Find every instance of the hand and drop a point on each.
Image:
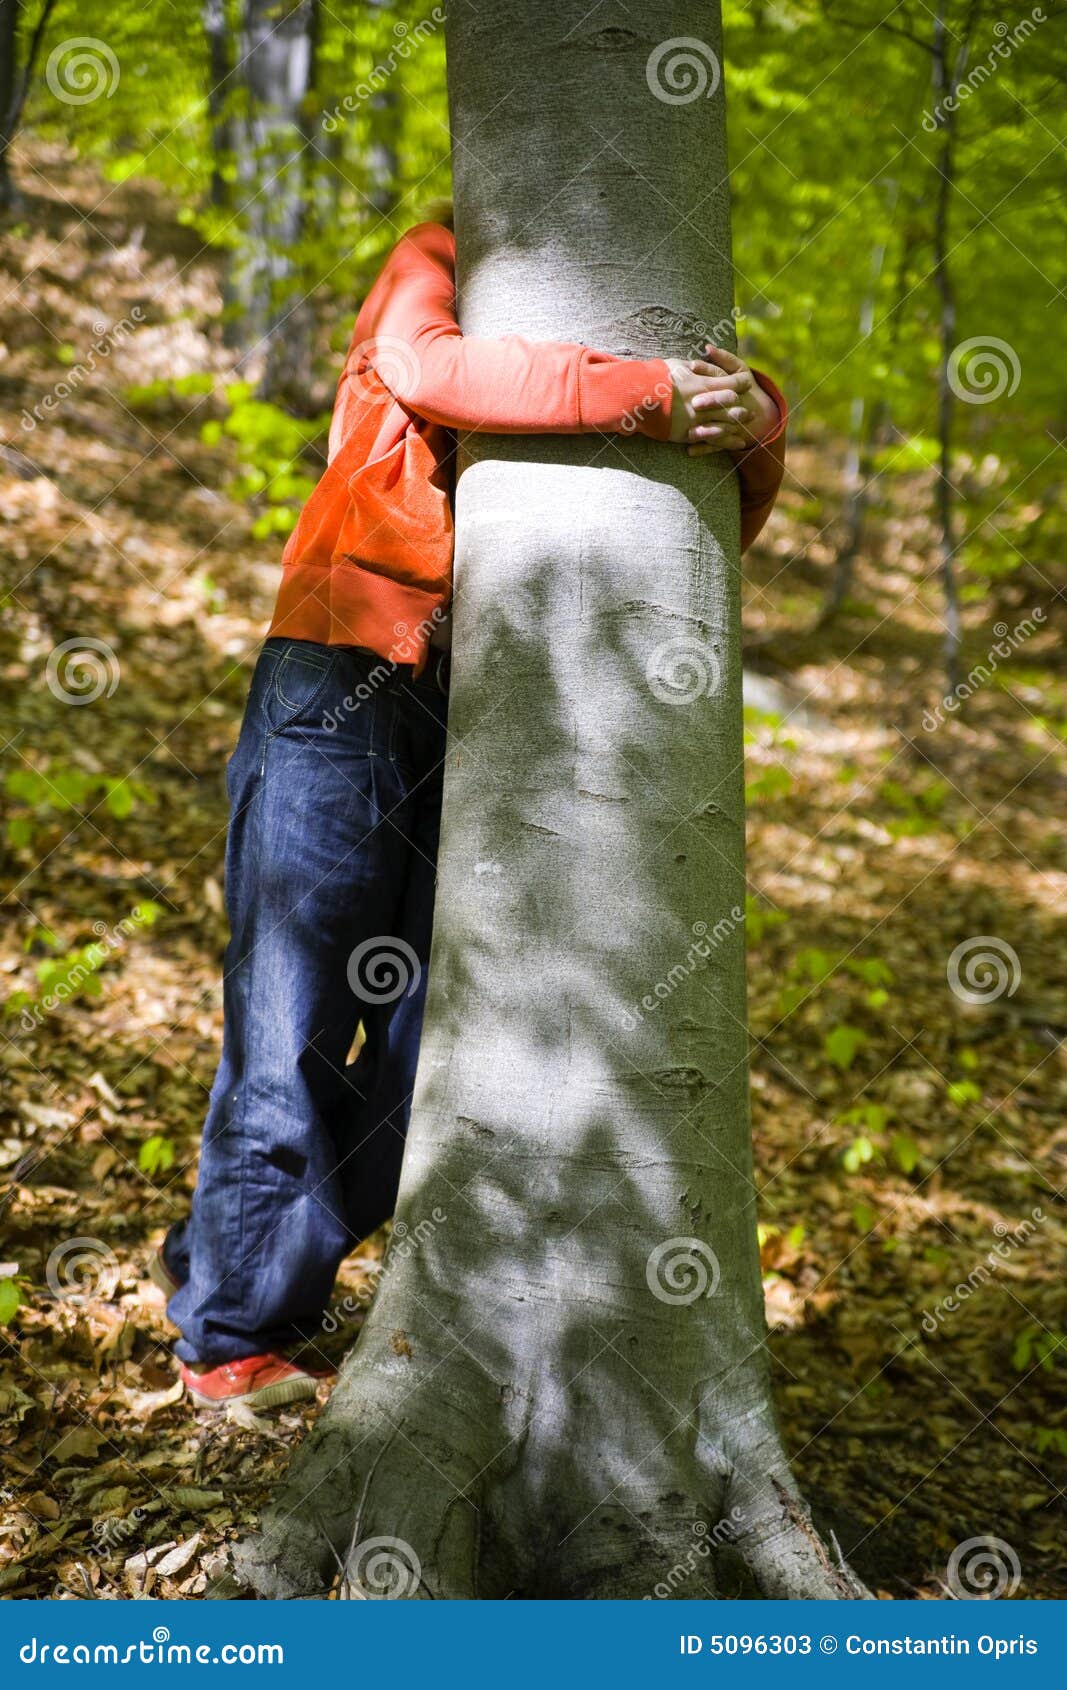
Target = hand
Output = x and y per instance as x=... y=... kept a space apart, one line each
x=733 y=412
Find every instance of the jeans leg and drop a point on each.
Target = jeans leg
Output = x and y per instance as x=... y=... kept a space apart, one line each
x=371 y=1122
x=317 y=863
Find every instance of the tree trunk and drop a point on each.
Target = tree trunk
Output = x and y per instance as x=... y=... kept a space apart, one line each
x=946 y=541
x=220 y=95
x=14 y=85
x=276 y=56
x=562 y=1386
x=866 y=424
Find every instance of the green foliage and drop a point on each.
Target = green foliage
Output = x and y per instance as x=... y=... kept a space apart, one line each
x=39 y=796
x=842 y=1045
x=760 y=920
x=271 y=448
x=155 y=1156
x=11 y=1300
x=773 y=783
x=1036 y=1347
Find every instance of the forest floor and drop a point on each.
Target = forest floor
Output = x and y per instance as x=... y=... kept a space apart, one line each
x=910 y=1144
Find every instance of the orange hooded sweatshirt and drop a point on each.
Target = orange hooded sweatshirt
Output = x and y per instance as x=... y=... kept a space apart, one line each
x=369 y=562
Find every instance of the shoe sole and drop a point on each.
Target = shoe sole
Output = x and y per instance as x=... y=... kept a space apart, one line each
x=161 y=1276
x=283 y=1391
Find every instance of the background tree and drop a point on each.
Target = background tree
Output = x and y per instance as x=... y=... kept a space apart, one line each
x=565 y=1384
x=18 y=60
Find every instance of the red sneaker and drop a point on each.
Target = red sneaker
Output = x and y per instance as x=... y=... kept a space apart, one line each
x=265 y=1381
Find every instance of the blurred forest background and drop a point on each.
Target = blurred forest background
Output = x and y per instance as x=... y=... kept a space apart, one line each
x=195 y=199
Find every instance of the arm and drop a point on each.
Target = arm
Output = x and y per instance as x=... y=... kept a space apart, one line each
x=407 y=332
x=760 y=468
x=745 y=416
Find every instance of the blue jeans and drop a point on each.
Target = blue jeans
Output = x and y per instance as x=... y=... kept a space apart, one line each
x=335 y=798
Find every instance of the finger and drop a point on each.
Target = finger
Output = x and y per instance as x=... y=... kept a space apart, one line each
x=712 y=372
x=717 y=398
x=728 y=361
x=703 y=448
x=706 y=433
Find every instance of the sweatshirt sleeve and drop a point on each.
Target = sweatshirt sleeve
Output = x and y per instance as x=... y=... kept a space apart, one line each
x=408 y=333
x=761 y=468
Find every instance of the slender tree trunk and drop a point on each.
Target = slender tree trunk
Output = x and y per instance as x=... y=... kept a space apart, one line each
x=14 y=85
x=947 y=332
x=220 y=95
x=562 y=1387
x=276 y=54
x=866 y=422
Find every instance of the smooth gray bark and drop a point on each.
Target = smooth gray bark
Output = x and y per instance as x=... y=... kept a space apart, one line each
x=274 y=152
x=562 y=1387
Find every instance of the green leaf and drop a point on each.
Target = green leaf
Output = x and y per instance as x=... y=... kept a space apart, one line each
x=964 y=1091
x=843 y=1044
x=11 y=1299
x=905 y=1152
x=155 y=1156
x=859 y=1152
